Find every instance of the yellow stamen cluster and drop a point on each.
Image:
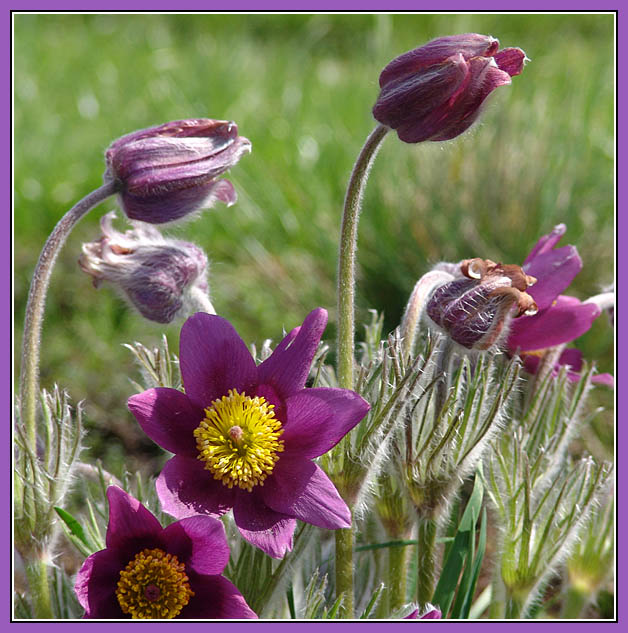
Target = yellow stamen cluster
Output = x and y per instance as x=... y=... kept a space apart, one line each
x=153 y=585
x=238 y=440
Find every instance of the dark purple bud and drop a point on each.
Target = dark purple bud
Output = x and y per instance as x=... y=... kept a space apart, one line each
x=169 y=171
x=157 y=275
x=435 y=92
x=475 y=309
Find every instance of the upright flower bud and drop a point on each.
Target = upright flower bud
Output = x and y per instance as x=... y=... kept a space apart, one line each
x=169 y=171
x=159 y=276
x=475 y=308
x=434 y=92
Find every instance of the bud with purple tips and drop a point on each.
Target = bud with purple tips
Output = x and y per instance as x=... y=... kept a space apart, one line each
x=169 y=171
x=158 y=275
x=435 y=92
x=475 y=308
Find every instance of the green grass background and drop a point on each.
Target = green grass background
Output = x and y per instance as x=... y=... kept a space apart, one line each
x=301 y=88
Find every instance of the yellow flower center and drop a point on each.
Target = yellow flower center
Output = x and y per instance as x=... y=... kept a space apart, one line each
x=153 y=585
x=239 y=440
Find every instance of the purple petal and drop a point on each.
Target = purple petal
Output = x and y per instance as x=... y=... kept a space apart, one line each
x=287 y=368
x=200 y=543
x=269 y=530
x=485 y=76
x=555 y=270
x=224 y=191
x=511 y=60
x=571 y=357
x=215 y=598
x=317 y=419
x=299 y=488
x=214 y=359
x=546 y=243
x=604 y=379
x=185 y=488
x=96 y=584
x=563 y=322
x=129 y=520
x=158 y=209
x=169 y=418
x=410 y=101
x=437 y=51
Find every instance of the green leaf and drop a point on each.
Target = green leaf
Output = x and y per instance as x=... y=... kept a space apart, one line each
x=461 y=551
x=372 y=601
x=73 y=525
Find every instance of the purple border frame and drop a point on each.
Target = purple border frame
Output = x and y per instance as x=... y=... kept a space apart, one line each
x=366 y=6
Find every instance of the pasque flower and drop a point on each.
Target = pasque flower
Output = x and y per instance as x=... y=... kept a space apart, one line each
x=475 y=308
x=169 y=171
x=150 y=572
x=560 y=318
x=435 y=92
x=157 y=275
x=244 y=435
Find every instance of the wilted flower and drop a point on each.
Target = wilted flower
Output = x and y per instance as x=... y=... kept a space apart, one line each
x=560 y=318
x=150 y=572
x=244 y=436
x=168 y=171
x=475 y=308
x=158 y=275
x=434 y=92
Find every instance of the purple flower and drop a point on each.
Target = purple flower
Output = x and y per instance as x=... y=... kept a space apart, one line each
x=434 y=92
x=560 y=318
x=157 y=275
x=169 y=171
x=429 y=613
x=244 y=436
x=151 y=572
x=475 y=308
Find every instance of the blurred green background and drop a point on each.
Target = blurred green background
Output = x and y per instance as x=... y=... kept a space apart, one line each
x=301 y=88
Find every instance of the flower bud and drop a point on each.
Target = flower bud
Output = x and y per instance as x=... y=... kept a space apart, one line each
x=169 y=171
x=158 y=275
x=434 y=92
x=475 y=308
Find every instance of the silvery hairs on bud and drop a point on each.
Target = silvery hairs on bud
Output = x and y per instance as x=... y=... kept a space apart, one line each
x=161 y=277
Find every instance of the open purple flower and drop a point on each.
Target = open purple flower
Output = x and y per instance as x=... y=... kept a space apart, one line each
x=244 y=436
x=169 y=171
x=560 y=318
x=150 y=572
x=435 y=92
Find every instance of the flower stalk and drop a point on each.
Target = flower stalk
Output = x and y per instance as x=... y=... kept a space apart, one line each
x=29 y=377
x=346 y=255
x=426 y=565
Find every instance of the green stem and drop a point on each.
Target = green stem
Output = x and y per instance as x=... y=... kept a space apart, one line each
x=397 y=576
x=574 y=603
x=37 y=575
x=344 y=570
x=514 y=607
x=346 y=256
x=426 y=565
x=29 y=378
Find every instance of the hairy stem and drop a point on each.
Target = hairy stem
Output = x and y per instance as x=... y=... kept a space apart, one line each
x=29 y=377
x=37 y=575
x=344 y=570
x=426 y=565
x=346 y=256
x=397 y=576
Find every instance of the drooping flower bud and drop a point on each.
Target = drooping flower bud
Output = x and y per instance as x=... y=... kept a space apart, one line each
x=169 y=171
x=435 y=92
x=159 y=276
x=475 y=308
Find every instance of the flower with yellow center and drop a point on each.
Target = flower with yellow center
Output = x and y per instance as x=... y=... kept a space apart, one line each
x=148 y=571
x=153 y=585
x=238 y=440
